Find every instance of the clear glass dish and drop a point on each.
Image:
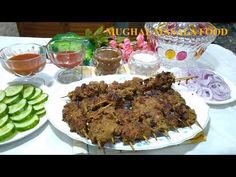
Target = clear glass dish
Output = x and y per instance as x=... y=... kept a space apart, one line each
x=24 y=60
x=143 y=63
x=67 y=54
x=107 y=60
x=179 y=44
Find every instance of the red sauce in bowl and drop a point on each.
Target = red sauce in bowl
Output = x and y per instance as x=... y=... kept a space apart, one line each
x=68 y=59
x=26 y=64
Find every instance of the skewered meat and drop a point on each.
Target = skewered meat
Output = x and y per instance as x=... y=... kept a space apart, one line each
x=74 y=117
x=123 y=116
x=162 y=81
x=131 y=111
x=102 y=130
x=92 y=89
x=134 y=131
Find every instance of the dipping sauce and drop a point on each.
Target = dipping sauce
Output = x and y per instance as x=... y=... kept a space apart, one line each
x=68 y=59
x=143 y=63
x=26 y=64
x=107 y=60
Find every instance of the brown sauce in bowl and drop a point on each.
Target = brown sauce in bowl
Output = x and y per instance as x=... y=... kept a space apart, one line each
x=107 y=60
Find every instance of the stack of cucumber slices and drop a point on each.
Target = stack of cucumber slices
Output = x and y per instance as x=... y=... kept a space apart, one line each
x=21 y=107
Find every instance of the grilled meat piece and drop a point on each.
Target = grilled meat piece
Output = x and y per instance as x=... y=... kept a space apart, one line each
x=74 y=117
x=135 y=131
x=102 y=130
x=92 y=89
x=123 y=116
x=162 y=81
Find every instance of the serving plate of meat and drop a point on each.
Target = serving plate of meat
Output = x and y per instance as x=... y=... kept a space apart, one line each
x=126 y=112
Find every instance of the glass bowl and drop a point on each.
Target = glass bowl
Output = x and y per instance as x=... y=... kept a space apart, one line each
x=67 y=54
x=179 y=44
x=144 y=63
x=107 y=60
x=23 y=60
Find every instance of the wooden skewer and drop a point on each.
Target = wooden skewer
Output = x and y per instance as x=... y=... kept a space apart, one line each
x=154 y=135
x=99 y=145
x=100 y=103
x=146 y=138
x=185 y=123
x=189 y=125
x=176 y=129
x=86 y=135
x=166 y=135
x=112 y=140
x=132 y=146
x=105 y=106
x=179 y=79
x=163 y=134
x=67 y=95
x=185 y=78
x=199 y=124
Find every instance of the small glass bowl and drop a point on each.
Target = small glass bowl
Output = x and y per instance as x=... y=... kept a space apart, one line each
x=24 y=60
x=67 y=54
x=143 y=63
x=179 y=44
x=107 y=60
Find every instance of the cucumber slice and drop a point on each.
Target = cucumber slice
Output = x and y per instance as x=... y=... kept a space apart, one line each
x=13 y=90
x=41 y=113
x=38 y=107
x=42 y=98
x=3 y=121
x=12 y=100
x=2 y=95
x=24 y=115
x=28 y=92
x=37 y=93
x=18 y=107
x=3 y=109
x=29 y=124
x=7 y=131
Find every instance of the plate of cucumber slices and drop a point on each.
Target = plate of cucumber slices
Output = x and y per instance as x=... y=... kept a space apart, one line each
x=22 y=111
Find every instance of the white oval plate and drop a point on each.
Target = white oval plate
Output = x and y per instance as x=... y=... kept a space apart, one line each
x=215 y=102
x=42 y=121
x=233 y=93
x=195 y=102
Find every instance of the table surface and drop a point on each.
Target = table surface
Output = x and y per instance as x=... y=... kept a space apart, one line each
x=221 y=130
